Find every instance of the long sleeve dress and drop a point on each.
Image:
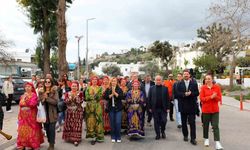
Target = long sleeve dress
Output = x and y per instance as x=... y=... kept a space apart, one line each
x=135 y=101
x=94 y=121
x=29 y=130
x=105 y=115
x=72 y=130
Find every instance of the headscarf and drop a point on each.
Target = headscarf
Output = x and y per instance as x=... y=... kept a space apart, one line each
x=93 y=78
x=33 y=90
x=136 y=83
x=75 y=82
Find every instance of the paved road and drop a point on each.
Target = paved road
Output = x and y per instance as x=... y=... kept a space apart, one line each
x=235 y=135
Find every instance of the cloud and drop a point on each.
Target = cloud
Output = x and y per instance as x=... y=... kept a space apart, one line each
x=118 y=25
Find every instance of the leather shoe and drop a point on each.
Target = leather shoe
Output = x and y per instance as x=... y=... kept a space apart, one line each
x=179 y=126
x=163 y=135
x=171 y=119
x=193 y=141
x=185 y=138
x=157 y=137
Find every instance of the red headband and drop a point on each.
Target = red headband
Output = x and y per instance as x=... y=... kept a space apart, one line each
x=136 y=83
x=75 y=82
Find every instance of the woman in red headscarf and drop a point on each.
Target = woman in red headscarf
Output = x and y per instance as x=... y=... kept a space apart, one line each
x=94 y=121
x=72 y=131
x=136 y=102
x=103 y=102
x=29 y=130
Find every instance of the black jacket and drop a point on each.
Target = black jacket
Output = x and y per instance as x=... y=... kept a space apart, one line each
x=152 y=98
x=187 y=104
x=117 y=100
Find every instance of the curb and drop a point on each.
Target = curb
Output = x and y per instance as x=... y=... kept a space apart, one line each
x=244 y=109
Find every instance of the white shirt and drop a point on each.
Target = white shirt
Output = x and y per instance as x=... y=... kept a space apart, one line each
x=147 y=87
x=8 y=88
x=186 y=84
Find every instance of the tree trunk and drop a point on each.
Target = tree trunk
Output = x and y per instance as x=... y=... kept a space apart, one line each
x=62 y=38
x=46 y=44
x=232 y=69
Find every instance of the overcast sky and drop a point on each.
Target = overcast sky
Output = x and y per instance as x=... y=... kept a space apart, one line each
x=119 y=24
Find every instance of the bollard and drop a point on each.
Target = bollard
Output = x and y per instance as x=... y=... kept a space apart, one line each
x=241 y=102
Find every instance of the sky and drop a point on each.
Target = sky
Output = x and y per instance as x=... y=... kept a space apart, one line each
x=119 y=24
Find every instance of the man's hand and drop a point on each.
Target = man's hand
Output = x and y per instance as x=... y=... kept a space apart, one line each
x=168 y=110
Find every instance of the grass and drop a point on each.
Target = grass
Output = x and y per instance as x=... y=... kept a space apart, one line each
x=245 y=97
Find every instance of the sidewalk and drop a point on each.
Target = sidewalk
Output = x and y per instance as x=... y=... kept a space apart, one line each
x=230 y=101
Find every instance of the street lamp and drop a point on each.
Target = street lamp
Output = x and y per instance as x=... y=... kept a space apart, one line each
x=87 y=49
x=78 y=66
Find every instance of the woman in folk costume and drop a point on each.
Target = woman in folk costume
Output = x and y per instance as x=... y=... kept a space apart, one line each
x=72 y=130
x=29 y=130
x=94 y=121
x=103 y=102
x=136 y=102
x=124 y=88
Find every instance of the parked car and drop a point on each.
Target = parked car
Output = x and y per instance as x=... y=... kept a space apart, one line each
x=18 y=89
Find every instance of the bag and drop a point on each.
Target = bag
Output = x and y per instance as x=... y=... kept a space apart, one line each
x=61 y=106
x=41 y=115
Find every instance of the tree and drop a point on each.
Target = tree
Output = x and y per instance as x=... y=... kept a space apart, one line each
x=216 y=40
x=163 y=50
x=235 y=14
x=62 y=37
x=54 y=64
x=150 y=68
x=186 y=62
x=112 y=70
x=206 y=63
x=43 y=20
x=243 y=62
x=4 y=44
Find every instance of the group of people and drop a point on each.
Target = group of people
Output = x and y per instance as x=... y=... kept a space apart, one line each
x=109 y=105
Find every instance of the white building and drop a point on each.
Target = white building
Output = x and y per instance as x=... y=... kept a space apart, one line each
x=126 y=69
x=185 y=53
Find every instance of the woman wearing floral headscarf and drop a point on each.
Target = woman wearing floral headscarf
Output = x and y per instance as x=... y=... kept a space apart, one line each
x=136 y=102
x=94 y=121
x=124 y=88
x=103 y=102
x=29 y=130
x=72 y=131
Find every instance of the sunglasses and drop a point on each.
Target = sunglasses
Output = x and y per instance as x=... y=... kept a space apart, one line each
x=47 y=82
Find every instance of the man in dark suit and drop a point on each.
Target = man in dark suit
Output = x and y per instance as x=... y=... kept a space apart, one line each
x=147 y=83
x=187 y=92
x=159 y=106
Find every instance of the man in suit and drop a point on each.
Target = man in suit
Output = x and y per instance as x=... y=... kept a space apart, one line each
x=147 y=83
x=187 y=92
x=159 y=106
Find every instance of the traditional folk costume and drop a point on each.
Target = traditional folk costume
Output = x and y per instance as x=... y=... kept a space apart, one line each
x=136 y=102
x=124 y=107
x=94 y=121
x=74 y=116
x=29 y=130
x=103 y=102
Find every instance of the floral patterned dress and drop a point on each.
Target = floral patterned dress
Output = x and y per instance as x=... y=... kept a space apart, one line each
x=94 y=121
x=29 y=130
x=105 y=116
x=124 y=108
x=72 y=130
x=135 y=101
